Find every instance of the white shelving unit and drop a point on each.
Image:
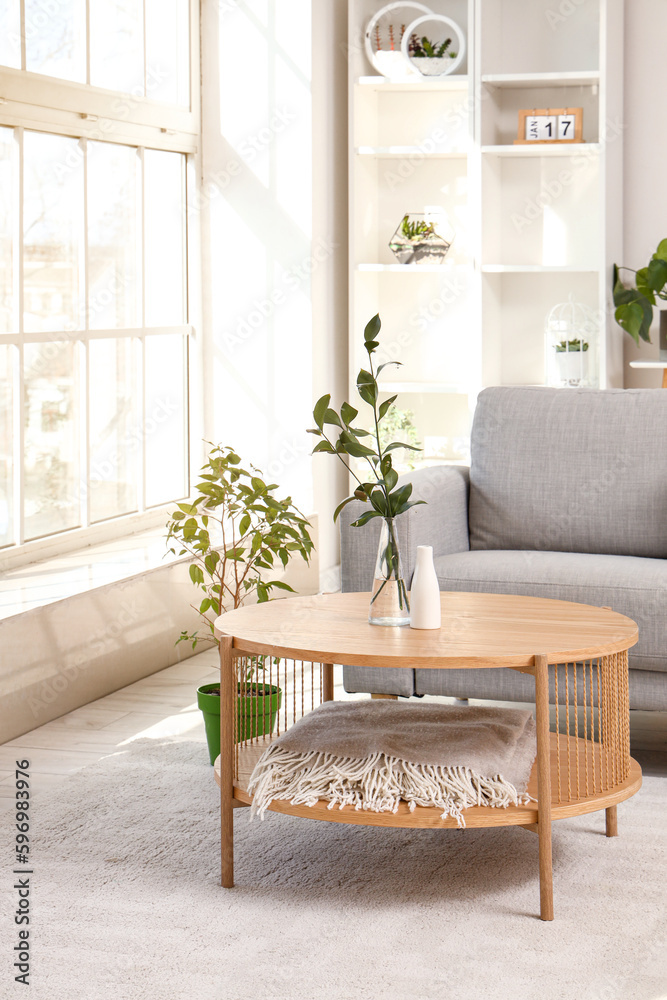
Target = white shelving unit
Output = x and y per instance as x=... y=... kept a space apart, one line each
x=534 y=223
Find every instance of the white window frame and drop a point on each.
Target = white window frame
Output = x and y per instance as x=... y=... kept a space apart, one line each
x=35 y=102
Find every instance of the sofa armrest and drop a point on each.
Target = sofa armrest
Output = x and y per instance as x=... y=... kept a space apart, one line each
x=441 y=522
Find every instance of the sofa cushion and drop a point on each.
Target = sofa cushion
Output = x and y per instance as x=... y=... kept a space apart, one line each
x=633 y=586
x=570 y=470
x=648 y=688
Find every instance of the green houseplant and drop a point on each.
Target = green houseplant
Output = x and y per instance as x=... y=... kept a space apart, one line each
x=421 y=238
x=339 y=436
x=425 y=48
x=237 y=532
x=634 y=302
x=571 y=361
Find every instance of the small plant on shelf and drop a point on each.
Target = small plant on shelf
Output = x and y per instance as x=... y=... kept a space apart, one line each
x=421 y=239
x=417 y=230
x=571 y=345
x=426 y=49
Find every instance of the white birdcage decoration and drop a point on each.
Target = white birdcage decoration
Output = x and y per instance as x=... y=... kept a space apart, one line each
x=571 y=332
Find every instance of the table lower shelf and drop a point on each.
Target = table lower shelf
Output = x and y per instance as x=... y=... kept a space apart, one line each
x=478 y=816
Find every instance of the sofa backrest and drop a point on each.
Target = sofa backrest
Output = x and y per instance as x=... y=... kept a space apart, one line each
x=570 y=470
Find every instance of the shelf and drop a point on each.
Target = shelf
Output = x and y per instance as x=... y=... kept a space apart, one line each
x=400 y=152
x=513 y=81
x=413 y=268
x=453 y=82
x=538 y=269
x=544 y=149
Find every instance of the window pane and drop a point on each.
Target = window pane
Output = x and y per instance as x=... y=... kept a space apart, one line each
x=164 y=237
x=167 y=55
x=6 y=445
x=51 y=451
x=117 y=45
x=10 y=33
x=55 y=38
x=52 y=219
x=113 y=257
x=8 y=196
x=166 y=421
x=114 y=438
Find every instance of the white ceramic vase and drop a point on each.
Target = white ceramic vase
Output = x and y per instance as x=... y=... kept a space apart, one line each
x=425 y=591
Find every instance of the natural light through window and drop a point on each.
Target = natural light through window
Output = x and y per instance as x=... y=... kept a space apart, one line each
x=94 y=306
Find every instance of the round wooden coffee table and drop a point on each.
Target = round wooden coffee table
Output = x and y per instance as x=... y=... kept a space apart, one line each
x=578 y=650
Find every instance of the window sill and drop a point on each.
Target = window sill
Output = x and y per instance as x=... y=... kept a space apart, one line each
x=67 y=575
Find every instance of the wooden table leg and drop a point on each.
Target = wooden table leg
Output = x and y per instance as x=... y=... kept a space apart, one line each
x=611 y=821
x=544 y=787
x=227 y=709
x=327 y=682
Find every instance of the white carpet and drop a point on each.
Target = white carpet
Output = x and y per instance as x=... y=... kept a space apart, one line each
x=127 y=905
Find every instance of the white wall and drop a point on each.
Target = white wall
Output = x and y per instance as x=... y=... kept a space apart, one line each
x=258 y=253
x=275 y=299
x=645 y=156
x=330 y=223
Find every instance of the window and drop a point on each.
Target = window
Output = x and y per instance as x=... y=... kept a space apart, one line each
x=95 y=310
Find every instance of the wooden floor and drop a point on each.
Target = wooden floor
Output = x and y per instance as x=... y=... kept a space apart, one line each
x=165 y=705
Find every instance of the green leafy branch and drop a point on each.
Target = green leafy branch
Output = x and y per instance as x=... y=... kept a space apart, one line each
x=380 y=490
x=236 y=530
x=634 y=305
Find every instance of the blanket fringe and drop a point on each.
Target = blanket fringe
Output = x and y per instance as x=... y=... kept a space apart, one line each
x=376 y=783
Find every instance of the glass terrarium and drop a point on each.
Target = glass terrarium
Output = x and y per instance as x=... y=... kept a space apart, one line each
x=422 y=237
x=571 y=344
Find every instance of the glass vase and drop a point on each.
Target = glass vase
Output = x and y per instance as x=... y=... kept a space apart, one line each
x=389 y=597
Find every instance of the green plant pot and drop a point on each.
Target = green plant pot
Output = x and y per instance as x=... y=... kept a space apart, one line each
x=255 y=716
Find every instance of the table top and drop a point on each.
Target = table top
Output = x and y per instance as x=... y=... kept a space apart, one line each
x=478 y=630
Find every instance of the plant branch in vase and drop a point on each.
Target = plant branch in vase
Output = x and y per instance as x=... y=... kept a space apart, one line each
x=389 y=603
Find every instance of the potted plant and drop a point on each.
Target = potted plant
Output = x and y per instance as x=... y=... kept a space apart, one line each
x=419 y=239
x=237 y=531
x=634 y=303
x=571 y=361
x=429 y=57
x=389 y=598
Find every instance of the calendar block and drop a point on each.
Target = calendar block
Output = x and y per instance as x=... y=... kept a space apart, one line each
x=550 y=125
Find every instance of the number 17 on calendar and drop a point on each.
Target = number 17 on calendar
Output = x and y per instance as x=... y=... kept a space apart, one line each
x=550 y=125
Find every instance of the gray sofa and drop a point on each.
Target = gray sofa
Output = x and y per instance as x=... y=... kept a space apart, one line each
x=566 y=497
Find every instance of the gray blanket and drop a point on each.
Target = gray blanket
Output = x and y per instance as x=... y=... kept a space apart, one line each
x=371 y=754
